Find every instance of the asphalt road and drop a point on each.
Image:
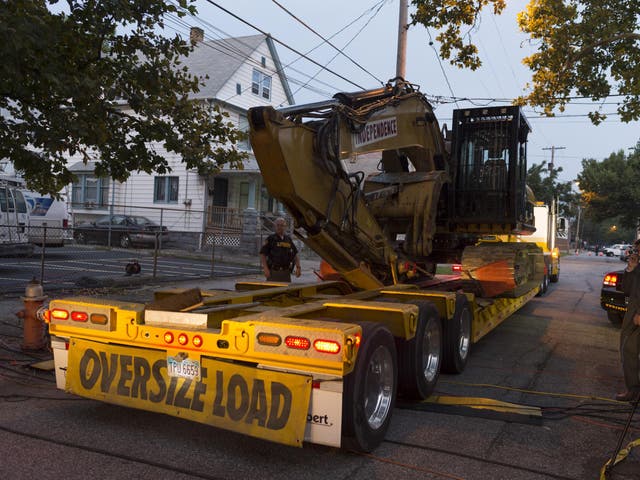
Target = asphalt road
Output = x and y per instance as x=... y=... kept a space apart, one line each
x=559 y=353
x=70 y=266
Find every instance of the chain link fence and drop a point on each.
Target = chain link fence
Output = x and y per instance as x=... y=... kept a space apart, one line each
x=135 y=246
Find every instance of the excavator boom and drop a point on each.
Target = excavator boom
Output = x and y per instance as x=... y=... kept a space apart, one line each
x=395 y=224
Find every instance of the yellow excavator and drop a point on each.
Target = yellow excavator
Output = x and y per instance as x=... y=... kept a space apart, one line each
x=433 y=194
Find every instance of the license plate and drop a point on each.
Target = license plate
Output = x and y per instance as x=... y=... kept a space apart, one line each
x=183 y=367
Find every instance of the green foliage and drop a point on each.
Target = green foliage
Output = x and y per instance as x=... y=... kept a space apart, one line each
x=63 y=79
x=546 y=187
x=611 y=189
x=587 y=48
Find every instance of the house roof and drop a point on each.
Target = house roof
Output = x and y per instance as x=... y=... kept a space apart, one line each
x=220 y=59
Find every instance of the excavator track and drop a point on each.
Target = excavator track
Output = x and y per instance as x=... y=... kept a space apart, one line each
x=504 y=269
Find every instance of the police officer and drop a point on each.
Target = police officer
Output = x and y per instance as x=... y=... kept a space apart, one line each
x=279 y=254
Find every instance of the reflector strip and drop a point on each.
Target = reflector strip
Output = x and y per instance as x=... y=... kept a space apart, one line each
x=326 y=346
x=299 y=343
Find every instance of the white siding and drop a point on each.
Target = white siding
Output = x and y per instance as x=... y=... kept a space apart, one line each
x=243 y=76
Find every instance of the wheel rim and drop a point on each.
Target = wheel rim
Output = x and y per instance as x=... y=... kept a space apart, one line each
x=80 y=238
x=465 y=334
x=124 y=241
x=378 y=387
x=431 y=344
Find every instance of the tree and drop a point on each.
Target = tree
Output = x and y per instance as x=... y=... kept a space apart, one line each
x=587 y=48
x=546 y=187
x=611 y=188
x=63 y=79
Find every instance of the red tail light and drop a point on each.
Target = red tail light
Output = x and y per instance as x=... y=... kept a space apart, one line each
x=79 y=316
x=65 y=223
x=610 y=279
x=456 y=267
x=299 y=343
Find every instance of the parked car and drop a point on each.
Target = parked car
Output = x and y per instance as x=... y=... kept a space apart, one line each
x=624 y=256
x=616 y=250
x=612 y=298
x=121 y=230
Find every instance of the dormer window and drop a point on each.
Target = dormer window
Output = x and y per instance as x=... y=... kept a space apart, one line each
x=261 y=84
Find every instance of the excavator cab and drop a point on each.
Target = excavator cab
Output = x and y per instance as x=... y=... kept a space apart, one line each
x=489 y=155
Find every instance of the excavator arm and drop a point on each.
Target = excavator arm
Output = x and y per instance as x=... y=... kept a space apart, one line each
x=393 y=225
x=338 y=213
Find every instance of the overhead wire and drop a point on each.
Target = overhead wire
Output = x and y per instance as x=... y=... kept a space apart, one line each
x=379 y=5
x=339 y=50
x=277 y=40
x=444 y=74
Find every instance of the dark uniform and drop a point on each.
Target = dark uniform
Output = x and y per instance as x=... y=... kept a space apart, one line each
x=630 y=332
x=280 y=253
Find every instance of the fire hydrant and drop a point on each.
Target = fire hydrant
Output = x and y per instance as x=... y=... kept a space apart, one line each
x=33 y=327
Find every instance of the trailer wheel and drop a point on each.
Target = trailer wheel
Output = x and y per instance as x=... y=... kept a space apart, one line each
x=370 y=390
x=457 y=337
x=544 y=286
x=615 y=317
x=554 y=278
x=419 y=358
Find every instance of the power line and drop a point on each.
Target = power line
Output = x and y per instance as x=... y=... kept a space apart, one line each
x=283 y=44
x=379 y=5
x=340 y=51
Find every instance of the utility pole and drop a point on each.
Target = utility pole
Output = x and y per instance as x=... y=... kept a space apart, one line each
x=553 y=149
x=402 y=39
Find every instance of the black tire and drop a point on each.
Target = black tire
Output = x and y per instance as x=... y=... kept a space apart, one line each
x=457 y=337
x=370 y=390
x=615 y=317
x=420 y=358
x=544 y=286
x=125 y=241
x=554 y=278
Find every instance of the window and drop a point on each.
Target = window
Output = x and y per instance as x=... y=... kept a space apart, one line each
x=243 y=201
x=243 y=126
x=166 y=190
x=261 y=84
x=90 y=191
x=238 y=89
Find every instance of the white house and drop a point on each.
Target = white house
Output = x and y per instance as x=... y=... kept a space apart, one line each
x=242 y=72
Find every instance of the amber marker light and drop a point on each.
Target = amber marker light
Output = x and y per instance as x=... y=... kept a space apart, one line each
x=197 y=341
x=59 y=314
x=326 y=346
x=183 y=339
x=269 y=339
x=298 y=343
x=168 y=337
x=98 y=318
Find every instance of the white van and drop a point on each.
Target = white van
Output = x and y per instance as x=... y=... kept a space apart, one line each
x=45 y=211
x=14 y=220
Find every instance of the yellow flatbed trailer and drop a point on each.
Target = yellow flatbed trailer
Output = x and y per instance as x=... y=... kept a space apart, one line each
x=286 y=363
